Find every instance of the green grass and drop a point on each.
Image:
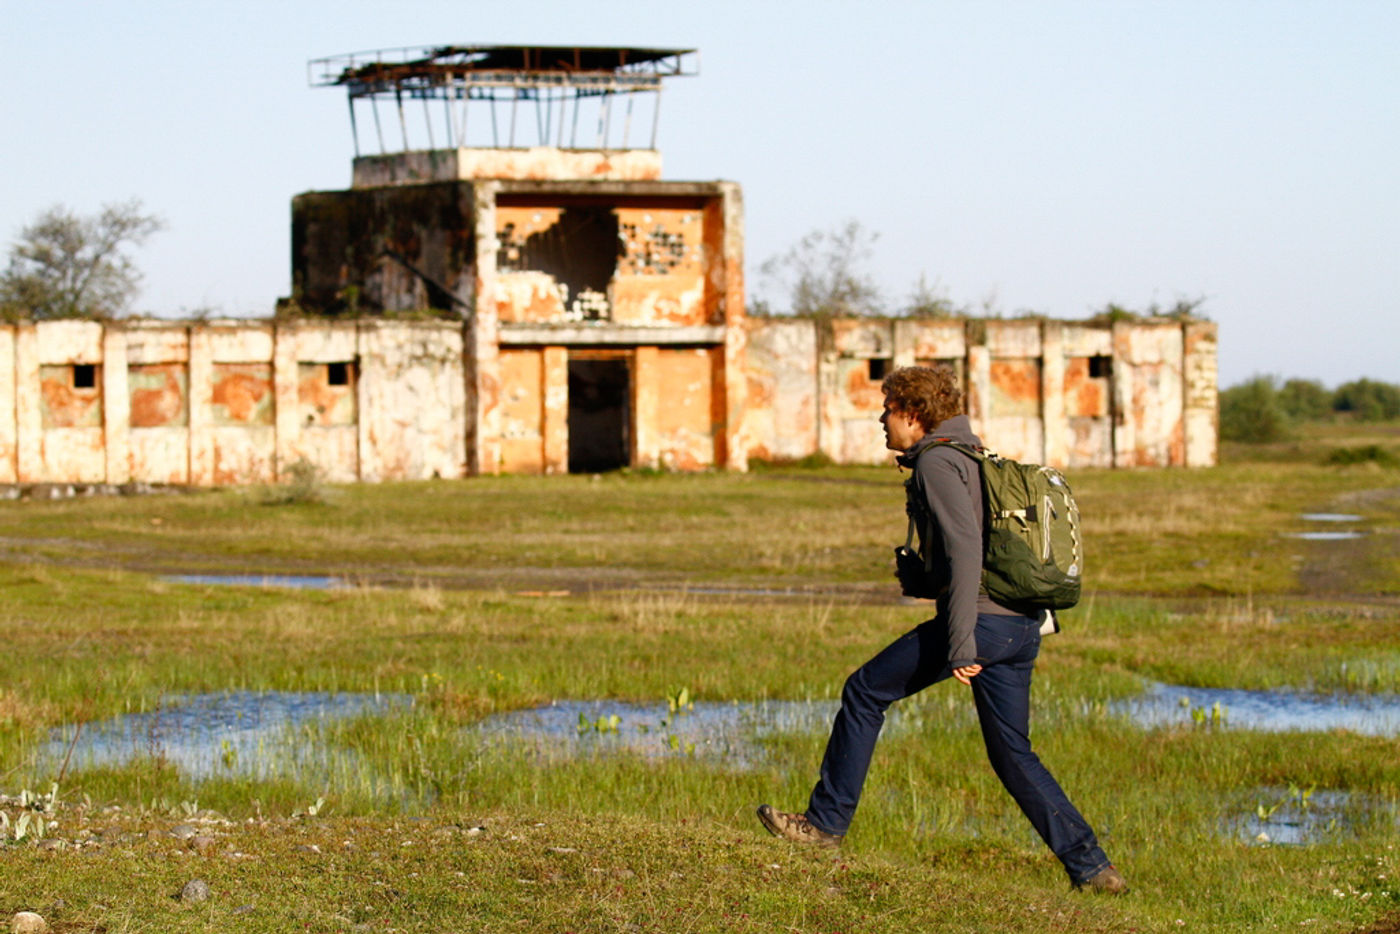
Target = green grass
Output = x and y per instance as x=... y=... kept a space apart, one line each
x=1195 y=582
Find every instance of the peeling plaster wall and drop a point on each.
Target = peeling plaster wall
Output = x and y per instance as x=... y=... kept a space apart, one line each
x=683 y=433
x=780 y=417
x=522 y=410
x=1138 y=393
x=229 y=402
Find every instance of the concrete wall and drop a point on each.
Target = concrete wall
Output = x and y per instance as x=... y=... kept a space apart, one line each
x=237 y=402
x=1130 y=394
x=536 y=163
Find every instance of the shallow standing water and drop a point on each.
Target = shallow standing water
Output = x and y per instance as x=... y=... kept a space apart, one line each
x=293 y=581
x=245 y=733
x=1272 y=711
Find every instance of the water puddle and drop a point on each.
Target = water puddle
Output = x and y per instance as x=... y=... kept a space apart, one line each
x=727 y=733
x=1297 y=817
x=245 y=733
x=294 y=581
x=1328 y=535
x=1270 y=711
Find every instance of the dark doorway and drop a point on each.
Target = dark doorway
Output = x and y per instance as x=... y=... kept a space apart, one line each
x=600 y=414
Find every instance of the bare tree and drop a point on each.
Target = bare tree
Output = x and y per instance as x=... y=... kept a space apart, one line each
x=68 y=266
x=824 y=273
x=930 y=301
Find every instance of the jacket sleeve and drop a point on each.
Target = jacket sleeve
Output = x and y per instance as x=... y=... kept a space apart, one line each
x=946 y=484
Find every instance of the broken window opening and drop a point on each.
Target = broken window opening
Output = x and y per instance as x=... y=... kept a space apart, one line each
x=580 y=252
x=1100 y=367
x=879 y=368
x=337 y=374
x=84 y=376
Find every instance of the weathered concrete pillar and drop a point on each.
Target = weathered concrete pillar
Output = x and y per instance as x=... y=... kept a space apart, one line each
x=646 y=393
x=366 y=459
x=1052 y=394
x=1201 y=419
x=116 y=405
x=29 y=417
x=286 y=410
x=830 y=436
x=732 y=387
x=554 y=397
x=979 y=376
x=481 y=341
x=904 y=341
x=201 y=407
x=9 y=470
x=1124 y=421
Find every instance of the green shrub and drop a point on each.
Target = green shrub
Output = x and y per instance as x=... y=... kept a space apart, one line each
x=1305 y=400
x=1364 y=454
x=1251 y=412
x=1368 y=400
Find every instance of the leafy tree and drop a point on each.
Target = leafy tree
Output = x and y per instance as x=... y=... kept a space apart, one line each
x=1305 y=400
x=825 y=273
x=1368 y=400
x=1251 y=412
x=67 y=266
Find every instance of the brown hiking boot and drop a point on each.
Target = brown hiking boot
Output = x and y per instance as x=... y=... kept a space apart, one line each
x=795 y=828
x=1108 y=881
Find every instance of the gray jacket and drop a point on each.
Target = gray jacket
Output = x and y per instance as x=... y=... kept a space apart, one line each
x=950 y=483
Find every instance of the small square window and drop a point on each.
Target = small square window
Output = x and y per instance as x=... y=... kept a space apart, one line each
x=879 y=367
x=337 y=374
x=1100 y=367
x=84 y=376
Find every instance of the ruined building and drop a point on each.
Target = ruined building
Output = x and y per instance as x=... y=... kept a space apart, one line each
x=509 y=285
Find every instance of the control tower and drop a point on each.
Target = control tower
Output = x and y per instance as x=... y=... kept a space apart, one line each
x=518 y=189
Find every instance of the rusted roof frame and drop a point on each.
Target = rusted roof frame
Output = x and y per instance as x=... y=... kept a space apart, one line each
x=544 y=75
x=442 y=68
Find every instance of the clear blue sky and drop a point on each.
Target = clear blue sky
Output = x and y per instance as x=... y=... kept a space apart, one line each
x=1045 y=156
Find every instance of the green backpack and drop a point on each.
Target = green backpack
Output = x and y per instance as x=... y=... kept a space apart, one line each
x=1034 y=558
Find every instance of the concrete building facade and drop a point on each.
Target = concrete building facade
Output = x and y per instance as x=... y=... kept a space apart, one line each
x=549 y=308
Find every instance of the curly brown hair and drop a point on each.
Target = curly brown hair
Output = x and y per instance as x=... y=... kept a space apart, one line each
x=929 y=394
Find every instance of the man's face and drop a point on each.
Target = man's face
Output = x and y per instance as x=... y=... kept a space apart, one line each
x=901 y=430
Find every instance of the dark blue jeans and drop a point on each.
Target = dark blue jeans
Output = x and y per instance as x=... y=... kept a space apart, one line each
x=1006 y=650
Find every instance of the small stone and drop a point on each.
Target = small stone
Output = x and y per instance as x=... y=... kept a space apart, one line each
x=473 y=831
x=202 y=844
x=27 y=922
x=195 y=890
x=183 y=831
x=53 y=843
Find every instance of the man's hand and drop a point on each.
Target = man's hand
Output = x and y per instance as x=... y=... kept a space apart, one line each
x=966 y=673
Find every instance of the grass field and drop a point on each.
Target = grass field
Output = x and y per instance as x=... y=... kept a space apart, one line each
x=496 y=594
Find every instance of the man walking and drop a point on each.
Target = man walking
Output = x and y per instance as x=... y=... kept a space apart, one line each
x=984 y=645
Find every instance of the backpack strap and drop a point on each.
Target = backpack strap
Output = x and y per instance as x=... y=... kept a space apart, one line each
x=912 y=508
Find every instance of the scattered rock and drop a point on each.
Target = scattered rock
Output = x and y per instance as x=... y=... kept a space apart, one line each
x=183 y=831
x=27 y=922
x=195 y=890
x=53 y=843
